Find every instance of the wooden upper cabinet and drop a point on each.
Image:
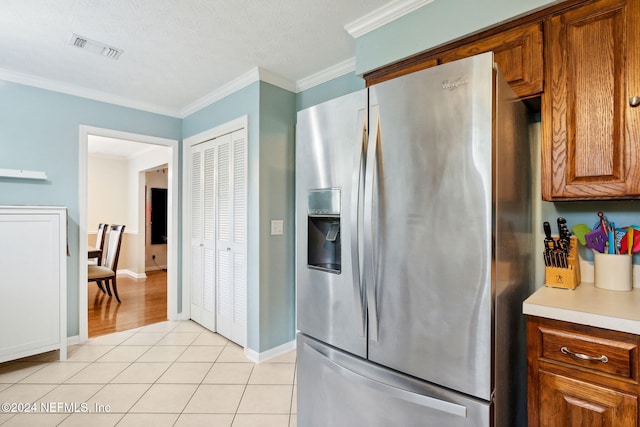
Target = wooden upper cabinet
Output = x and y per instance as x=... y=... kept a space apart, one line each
x=399 y=69
x=591 y=133
x=518 y=53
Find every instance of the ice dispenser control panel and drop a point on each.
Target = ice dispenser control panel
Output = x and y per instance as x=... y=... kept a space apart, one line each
x=324 y=244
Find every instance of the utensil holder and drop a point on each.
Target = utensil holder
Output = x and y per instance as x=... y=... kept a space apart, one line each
x=613 y=271
x=566 y=278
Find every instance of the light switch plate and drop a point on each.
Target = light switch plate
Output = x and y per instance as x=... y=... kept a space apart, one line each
x=277 y=227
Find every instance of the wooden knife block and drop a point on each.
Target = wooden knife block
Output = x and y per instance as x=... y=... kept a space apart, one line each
x=566 y=278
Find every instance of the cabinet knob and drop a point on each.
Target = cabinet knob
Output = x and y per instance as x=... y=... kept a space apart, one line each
x=634 y=101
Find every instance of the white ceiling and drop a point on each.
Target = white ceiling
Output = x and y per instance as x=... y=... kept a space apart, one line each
x=120 y=149
x=177 y=53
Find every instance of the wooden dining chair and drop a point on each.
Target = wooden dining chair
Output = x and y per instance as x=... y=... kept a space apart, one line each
x=100 y=235
x=107 y=272
x=99 y=244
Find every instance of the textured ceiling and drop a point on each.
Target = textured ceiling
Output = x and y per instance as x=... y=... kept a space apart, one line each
x=175 y=51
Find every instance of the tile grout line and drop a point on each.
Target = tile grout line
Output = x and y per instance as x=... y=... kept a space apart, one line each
x=244 y=391
x=159 y=376
x=121 y=346
x=205 y=376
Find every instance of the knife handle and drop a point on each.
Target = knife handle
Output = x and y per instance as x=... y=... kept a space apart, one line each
x=549 y=244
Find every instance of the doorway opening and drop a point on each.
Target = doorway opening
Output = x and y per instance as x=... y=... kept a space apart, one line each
x=115 y=190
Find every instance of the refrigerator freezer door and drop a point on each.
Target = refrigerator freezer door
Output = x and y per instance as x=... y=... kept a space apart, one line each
x=338 y=390
x=431 y=225
x=330 y=144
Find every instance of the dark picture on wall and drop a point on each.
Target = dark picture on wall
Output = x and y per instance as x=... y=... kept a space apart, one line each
x=158 y=216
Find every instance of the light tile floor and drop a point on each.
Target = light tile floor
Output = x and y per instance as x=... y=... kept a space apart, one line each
x=166 y=374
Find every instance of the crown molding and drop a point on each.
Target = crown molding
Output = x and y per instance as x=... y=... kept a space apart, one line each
x=235 y=85
x=276 y=80
x=82 y=92
x=252 y=76
x=383 y=16
x=223 y=91
x=327 y=74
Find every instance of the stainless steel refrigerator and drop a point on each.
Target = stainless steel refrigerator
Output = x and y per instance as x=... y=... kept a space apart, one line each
x=414 y=252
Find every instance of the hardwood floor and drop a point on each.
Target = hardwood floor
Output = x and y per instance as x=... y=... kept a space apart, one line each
x=144 y=301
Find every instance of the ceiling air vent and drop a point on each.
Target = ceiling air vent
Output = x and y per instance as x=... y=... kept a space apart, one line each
x=95 y=47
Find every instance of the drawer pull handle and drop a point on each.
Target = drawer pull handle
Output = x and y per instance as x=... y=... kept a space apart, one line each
x=603 y=358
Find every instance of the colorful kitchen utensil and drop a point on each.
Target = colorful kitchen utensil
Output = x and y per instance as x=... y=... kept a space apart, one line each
x=611 y=242
x=603 y=221
x=596 y=239
x=620 y=233
x=579 y=230
x=630 y=242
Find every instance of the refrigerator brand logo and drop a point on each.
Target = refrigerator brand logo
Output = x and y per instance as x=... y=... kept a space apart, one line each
x=453 y=84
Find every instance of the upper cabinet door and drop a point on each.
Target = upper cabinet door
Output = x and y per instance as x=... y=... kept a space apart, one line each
x=591 y=138
x=518 y=53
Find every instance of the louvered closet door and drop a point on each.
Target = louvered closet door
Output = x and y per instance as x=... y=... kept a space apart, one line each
x=203 y=239
x=231 y=197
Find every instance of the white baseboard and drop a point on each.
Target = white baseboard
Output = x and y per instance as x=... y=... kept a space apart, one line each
x=256 y=357
x=156 y=268
x=179 y=316
x=75 y=340
x=131 y=273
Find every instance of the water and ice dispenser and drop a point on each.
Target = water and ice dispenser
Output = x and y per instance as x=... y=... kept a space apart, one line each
x=324 y=247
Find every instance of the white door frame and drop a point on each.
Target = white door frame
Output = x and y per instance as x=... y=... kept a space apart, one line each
x=187 y=143
x=172 y=220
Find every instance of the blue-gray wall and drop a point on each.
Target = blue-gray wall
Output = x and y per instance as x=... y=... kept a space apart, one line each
x=39 y=130
x=277 y=192
x=243 y=102
x=622 y=213
x=270 y=288
x=329 y=90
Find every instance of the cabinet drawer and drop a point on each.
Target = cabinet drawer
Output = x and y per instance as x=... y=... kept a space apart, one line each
x=591 y=352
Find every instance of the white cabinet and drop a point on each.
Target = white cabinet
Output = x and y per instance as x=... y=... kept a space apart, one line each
x=218 y=201
x=33 y=281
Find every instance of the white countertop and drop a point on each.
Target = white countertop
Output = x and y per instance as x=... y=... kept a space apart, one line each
x=588 y=305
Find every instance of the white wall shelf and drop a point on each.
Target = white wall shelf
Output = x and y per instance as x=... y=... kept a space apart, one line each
x=19 y=173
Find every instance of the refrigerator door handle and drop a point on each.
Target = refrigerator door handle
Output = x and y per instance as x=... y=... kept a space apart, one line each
x=399 y=393
x=369 y=262
x=355 y=215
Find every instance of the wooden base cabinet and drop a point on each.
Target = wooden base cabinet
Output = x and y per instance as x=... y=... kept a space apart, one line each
x=564 y=401
x=581 y=376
